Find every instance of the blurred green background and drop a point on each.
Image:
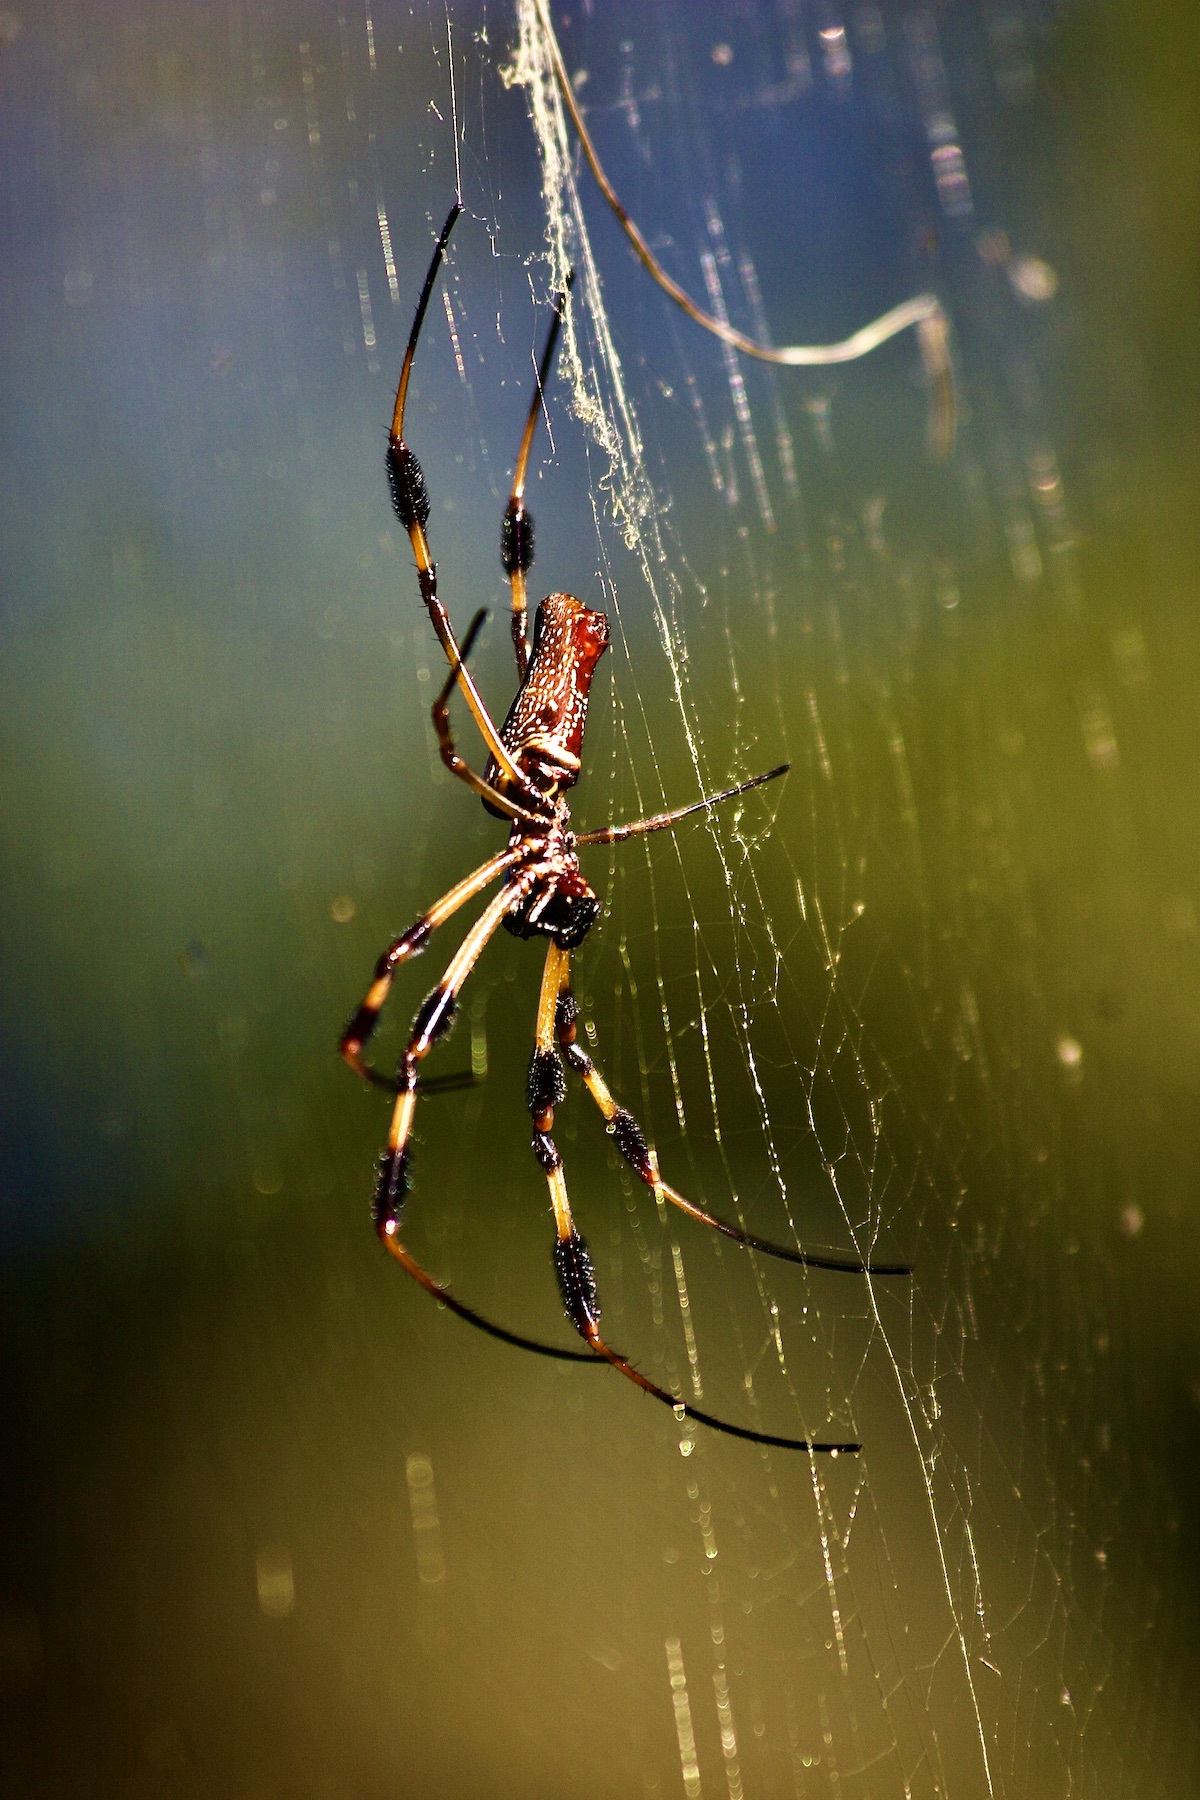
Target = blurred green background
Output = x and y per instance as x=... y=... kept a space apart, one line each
x=275 y=1526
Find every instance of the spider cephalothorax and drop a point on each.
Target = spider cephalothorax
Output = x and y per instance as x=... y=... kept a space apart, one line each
x=561 y=904
x=533 y=760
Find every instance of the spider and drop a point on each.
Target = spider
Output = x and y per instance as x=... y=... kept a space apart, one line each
x=533 y=760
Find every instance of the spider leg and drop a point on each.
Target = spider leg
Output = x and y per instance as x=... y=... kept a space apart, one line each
x=432 y=1021
x=516 y=531
x=444 y=1297
x=456 y=764
x=410 y=943
x=572 y=1260
x=612 y=834
x=410 y=498
x=630 y=1140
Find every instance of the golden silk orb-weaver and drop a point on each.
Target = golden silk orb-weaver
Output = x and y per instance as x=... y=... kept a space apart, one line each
x=534 y=759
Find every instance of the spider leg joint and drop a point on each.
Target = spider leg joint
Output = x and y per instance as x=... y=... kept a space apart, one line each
x=411 y=944
x=546 y=1151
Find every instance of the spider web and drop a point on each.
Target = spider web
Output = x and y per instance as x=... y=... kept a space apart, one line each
x=845 y=1050
x=928 y=999
x=854 y=1138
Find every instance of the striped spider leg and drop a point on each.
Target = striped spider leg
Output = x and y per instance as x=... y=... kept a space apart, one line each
x=630 y=1140
x=516 y=534
x=534 y=759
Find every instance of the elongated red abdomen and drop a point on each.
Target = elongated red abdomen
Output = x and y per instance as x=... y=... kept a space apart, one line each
x=544 y=729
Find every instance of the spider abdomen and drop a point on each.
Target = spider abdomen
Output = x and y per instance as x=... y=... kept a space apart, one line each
x=543 y=732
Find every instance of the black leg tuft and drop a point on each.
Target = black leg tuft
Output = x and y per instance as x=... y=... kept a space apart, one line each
x=566 y=1016
x=627 y=1135
x=577 y=1281
x=410 y=496
x=516 y=540
x=547 y=1084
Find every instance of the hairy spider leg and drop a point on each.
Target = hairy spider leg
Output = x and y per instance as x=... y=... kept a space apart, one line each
x=410 y=943
x=642 y=1158
x=410 y=498
x=624 y=1128
x=572 y=1260
x=516 y=530
x=444 y=1297
x=433 y=1020
x=440 y=713
x=613 y=834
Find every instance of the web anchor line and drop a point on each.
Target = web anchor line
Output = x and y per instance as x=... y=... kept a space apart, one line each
x=924 y=312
